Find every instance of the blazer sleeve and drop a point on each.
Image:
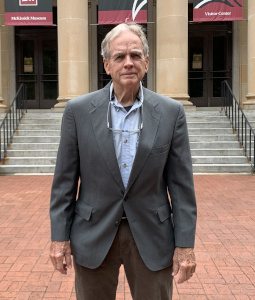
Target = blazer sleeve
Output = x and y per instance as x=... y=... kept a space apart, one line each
x=65 y=182
x=180 y=184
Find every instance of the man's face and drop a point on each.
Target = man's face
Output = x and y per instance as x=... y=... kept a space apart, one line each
x=127 y=64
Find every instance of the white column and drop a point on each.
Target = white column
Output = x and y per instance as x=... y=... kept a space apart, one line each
x=73 y=51
x=172 y=49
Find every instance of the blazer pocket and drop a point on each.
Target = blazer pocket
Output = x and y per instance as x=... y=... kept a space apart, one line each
x=159 y=150
x=164 y=212
x=83 y=210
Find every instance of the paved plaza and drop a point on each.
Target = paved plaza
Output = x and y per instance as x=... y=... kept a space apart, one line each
x=225 y=241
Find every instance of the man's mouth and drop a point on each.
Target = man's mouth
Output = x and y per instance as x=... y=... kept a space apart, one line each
x=129 y=74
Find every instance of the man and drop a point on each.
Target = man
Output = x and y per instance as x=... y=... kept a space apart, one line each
x=128 y=147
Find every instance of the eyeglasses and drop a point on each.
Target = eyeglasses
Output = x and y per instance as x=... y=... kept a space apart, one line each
x=120 y=130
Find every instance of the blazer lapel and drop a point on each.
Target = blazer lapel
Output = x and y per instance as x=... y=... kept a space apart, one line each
x=103 y=135
x=151 y=119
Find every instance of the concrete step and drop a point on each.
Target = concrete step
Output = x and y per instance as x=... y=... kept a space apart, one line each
x=36 y=133
x=41 y=121
x=207 y=119
x=36 y=139
x=47 y=115
x=27 y=161
x=40 y=126
x=32 y=153
x=24 y=169
x=240 y=125
x=221 y=168
x=250 y=155
x=215 y=145
x=219 y=160
x=212 y=138
x=210 y=131
x=250 y=114
x=217 y=152
x=205 y=113
x=249 y=149
x=34 y=146
x=248 y=145
x=208 y=125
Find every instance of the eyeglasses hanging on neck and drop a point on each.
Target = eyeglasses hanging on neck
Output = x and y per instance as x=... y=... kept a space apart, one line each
x=121 y=130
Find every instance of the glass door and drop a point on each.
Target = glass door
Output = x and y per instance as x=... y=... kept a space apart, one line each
x=210 y=63
x=48 y=73
x=37 y=68
x=197 y=70
x=28 y=71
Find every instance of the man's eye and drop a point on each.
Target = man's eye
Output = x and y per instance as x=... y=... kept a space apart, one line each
x=119 y=58
x=136 y=56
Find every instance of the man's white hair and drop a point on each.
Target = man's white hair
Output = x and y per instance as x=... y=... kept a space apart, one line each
x=116 y=31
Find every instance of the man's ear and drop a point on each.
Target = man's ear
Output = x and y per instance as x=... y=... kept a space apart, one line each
x=106 y=66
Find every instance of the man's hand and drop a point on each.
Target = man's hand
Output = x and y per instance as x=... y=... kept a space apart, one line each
x=60 y=254
x=184 y=263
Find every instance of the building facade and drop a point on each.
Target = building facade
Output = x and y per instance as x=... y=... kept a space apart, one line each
x=188 y=60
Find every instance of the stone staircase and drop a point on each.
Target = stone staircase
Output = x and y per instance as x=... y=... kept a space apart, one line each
x=35 y=144
x=214 y=147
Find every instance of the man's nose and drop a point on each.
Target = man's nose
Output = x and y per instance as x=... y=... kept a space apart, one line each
x=128 y=61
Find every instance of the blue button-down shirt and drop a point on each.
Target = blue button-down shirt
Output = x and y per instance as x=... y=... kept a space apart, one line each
x=126 y=143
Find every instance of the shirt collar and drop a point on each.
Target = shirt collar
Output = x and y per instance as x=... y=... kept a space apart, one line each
x=139 y=97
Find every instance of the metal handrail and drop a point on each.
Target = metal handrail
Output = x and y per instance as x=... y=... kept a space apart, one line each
x=241 y=125
x=11 y=120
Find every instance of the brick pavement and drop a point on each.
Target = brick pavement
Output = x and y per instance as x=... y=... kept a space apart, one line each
x=225 y=242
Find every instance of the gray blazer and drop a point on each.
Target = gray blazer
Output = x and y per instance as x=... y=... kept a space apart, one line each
x=162 y=164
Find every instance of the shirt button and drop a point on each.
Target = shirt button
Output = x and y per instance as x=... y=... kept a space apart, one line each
x=117 y=223
x=125 y=141
x=125 y=165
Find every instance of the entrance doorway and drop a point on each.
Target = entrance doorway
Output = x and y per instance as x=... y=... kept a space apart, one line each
x=37 y=66
x=210 y=62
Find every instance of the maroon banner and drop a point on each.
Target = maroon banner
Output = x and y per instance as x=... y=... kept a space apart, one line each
x=28 y=18
x=122 y=11
x=121 y=16
x=28 y=13
x=217 y=10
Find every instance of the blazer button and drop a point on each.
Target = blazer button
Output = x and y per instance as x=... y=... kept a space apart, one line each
x=117 y=223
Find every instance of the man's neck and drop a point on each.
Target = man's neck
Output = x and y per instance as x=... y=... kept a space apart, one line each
x=126 y=97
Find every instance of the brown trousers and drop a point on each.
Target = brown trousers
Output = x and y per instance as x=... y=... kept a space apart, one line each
x=101 y=283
